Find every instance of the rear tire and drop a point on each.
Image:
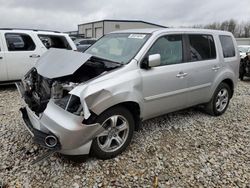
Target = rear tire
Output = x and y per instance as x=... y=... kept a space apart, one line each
x=241 y=77
x=241 y=71
x=220 y=100
x=120 y=125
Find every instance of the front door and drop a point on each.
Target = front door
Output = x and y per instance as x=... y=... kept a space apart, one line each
x=21 y=54
x=165 y=87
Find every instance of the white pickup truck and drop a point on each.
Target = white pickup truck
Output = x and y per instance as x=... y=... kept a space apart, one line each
x=20 y=49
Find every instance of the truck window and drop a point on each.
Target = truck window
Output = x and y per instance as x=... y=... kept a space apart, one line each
x=19 y=42
x=227 y=46
x=54 y=41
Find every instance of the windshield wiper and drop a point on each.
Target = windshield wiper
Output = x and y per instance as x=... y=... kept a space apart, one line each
x=107 y=60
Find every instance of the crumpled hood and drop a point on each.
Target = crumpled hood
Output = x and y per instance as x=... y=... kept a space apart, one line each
x=59 y=62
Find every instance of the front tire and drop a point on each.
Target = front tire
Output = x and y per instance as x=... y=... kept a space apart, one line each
x=221 y=98
x=119 y=125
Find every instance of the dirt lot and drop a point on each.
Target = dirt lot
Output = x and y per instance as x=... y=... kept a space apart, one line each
x=182 y=149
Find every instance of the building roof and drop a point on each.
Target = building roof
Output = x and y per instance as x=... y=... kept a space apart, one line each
x=108 y=20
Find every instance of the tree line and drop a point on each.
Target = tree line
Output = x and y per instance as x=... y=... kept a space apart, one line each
x=239 y=30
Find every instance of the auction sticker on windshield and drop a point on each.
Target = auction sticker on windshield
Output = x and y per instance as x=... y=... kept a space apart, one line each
x=136 y=36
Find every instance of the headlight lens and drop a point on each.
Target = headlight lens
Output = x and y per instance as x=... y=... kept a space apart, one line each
x=70 y=103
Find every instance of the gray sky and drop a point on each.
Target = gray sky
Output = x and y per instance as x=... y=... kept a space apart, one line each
x=65 y=15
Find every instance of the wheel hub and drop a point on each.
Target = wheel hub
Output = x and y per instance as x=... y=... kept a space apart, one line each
x=222 y=100
x=115 y=136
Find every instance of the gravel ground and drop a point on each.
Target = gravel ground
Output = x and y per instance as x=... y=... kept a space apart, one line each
x=182 y=149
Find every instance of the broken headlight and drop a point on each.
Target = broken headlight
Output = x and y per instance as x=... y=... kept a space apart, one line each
x=70 y=103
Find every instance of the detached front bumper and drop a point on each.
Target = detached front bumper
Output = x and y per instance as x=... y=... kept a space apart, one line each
x=72 y=137
x=40 y=137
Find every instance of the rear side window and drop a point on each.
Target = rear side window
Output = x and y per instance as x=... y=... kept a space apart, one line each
x=170 y=48
x=227 y=46
x=202 y=47
x=53 y=41
x=19 y=42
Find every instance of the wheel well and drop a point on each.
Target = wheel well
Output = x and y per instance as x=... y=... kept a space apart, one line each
x=134 y=108
x=230 y=83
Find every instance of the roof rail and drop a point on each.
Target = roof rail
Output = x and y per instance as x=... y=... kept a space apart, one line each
x=29 y=29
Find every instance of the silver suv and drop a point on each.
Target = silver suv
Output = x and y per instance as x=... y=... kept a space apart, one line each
x=81 y=103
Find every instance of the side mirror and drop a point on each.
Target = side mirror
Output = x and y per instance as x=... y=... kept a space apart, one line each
x=151 y=61
x=154 y=60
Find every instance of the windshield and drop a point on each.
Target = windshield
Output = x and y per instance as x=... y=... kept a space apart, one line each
x=244 y=49
x=118 y=47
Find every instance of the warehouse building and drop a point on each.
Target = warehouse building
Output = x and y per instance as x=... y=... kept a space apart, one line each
x=99 y=28
x=243 y=41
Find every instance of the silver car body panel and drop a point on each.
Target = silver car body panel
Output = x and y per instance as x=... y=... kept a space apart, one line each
x=61 y=62
x=103 y=92
x=130 y=83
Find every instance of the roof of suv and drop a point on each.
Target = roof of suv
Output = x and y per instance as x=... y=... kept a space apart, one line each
x=22 y=29
x=159 y=30
x=40 y=31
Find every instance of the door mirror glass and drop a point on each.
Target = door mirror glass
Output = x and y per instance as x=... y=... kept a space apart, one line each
x=154 y=60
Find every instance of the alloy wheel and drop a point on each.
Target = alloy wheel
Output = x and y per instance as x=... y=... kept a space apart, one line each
x=222 y=100
x=115 y=135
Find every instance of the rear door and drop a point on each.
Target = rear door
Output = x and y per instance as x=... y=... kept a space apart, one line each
x=21 y=53
x=3 y=68
x=205 y=66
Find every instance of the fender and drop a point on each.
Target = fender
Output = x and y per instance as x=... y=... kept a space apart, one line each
x=223 y=75
x=104 y=94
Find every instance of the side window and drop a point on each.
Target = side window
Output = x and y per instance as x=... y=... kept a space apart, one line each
x=170 y=47
x=53 y=41
x=202 y=47
x=227 y=46
x=19 y=42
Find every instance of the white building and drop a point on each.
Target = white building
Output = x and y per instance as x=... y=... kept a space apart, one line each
x=243 y=41
x=99 y=28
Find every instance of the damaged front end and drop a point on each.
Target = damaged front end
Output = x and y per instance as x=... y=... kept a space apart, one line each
x=37 y=91
x=55 y=118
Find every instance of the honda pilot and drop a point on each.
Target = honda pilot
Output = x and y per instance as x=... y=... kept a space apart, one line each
x=92 y=102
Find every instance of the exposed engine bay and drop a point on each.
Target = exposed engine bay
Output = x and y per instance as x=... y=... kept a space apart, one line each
x=38 y=90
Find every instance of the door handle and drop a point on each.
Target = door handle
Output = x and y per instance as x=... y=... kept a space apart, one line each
x=215 y=68
x=181 y=74
x=1 y=57
x=34 y=56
